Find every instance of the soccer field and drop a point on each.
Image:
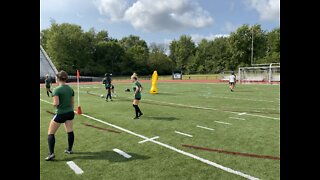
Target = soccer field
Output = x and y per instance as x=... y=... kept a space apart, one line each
x=234 y=135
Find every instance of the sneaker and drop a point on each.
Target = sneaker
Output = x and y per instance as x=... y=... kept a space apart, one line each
x=50 y=157
x=135 y=118
x=68 y=152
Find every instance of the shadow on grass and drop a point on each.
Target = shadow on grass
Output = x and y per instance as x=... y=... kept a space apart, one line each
x=162 y=118
x=104 y=155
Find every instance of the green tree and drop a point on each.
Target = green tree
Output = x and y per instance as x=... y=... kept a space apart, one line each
x=136 y=54
x=182 y=52
x=241 y=45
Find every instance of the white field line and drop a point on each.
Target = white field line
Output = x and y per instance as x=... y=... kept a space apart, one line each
x=74 y=167
x=222 y=122
x=122 y=153
x=148 y=139
x=198 y=107
x=224 y=97
x=178 y=150
x=237 y=118
x=206 y=108
x=205 y=128
x=183 y=134
x=243 y=99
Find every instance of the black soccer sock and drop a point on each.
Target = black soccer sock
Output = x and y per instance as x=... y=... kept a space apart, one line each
x=48 y=93
x=139 y=111
x=70 y=140
x=51 y=142
x=136 y=109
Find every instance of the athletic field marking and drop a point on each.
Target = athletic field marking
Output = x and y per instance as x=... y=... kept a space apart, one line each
x=74 y=167
x=50 y=112
x=105 y=129
x=46 y=101
x=230 y=152
x=122 y=153
x=177 y=150
x=222 y=122
x=243 y=99
x=242 y=113
x=206 y=108
x=205 y=127
x=237 y=118
x=148 y=139
x=232 y=97
x=183 y=133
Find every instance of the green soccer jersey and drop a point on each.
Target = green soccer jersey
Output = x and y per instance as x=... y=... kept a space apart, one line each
x=136 y=83
x=48 y=82
x=65 y=94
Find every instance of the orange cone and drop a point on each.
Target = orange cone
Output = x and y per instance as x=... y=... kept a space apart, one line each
x=79 y=110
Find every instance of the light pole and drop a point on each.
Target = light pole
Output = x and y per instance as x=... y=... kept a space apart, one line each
x=252 y=46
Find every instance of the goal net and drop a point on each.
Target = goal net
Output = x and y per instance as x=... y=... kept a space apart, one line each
x=264 y=74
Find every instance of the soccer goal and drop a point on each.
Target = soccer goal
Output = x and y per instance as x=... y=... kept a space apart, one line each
x=260 y=73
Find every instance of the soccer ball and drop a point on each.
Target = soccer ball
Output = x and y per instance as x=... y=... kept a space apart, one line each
x=101 y=96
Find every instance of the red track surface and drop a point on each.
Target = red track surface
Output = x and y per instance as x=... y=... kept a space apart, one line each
x=230 y=152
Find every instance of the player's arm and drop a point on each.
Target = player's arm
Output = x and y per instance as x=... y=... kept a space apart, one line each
x=137 y=89
x=72 y=102
x=56 y=101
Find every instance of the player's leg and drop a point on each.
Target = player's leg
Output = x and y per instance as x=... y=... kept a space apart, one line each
x=53 y=127
x=69 y=129
x=134 y=104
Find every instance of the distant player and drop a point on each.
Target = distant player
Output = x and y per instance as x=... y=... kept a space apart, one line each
x=232 y=81
x=137 y=88
x=107 y=83
x=48 y=84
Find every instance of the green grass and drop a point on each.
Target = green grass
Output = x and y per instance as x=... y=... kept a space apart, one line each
x=177 y=107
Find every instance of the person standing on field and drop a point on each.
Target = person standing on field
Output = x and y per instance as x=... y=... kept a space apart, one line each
x=232 y=81
x=137 y=88
x=107 y=82
x=48 y=85
x=63 y=101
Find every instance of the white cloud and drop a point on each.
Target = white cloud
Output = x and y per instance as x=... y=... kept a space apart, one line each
x=157 y=15
x=268 y=9
x=229 y=27
x=115 y=9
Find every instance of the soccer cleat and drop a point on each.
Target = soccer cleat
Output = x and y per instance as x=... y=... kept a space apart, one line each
x=140 y=114
x=50 y=157
x=68 y=152
x=135 y=117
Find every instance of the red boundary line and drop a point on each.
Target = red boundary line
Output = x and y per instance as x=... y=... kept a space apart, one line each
x=105 y=129
x=50 y=112
x=230 y=152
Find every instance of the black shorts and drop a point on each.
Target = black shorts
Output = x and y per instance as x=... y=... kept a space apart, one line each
x=62 y=118
x=137 y=98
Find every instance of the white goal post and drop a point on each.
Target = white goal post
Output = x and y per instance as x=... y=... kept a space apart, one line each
x=267 y=73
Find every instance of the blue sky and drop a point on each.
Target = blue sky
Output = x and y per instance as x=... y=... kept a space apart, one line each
x=161 y=21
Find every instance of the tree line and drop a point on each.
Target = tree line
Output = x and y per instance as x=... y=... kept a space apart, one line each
x=95 y=53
